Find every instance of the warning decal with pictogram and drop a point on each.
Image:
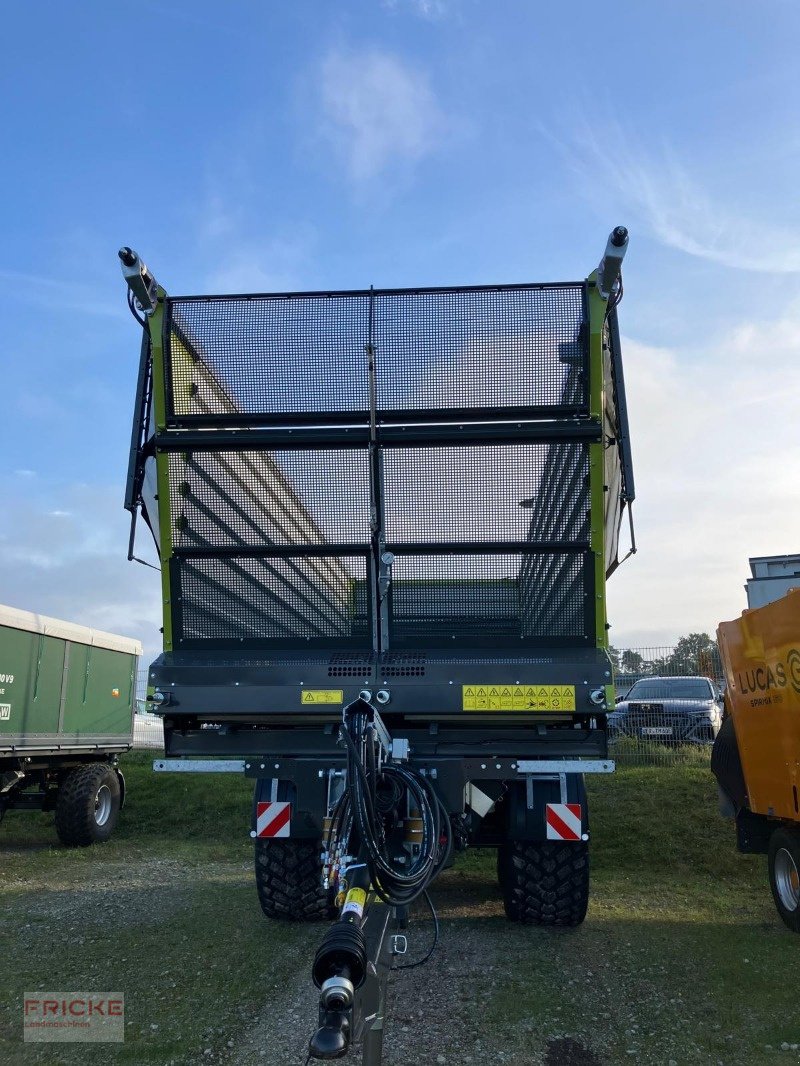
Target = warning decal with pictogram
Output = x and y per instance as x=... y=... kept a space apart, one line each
x=563 y=821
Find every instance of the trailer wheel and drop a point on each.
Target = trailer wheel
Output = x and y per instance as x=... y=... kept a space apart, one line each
x=87 y=807
x=784 y=875
x=544 y=882
x=288 y=879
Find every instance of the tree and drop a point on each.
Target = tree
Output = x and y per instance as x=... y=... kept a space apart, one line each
x=695 y=654
x=631 y=661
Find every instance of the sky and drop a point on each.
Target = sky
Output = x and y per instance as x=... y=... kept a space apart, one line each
x=265 y=146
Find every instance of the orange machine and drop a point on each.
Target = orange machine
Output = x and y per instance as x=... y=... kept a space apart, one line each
x=756 y=757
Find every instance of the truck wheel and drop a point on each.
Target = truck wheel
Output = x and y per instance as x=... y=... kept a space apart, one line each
x=87 y=807
x=784 y=875
x=544 y=883
x=288 y=879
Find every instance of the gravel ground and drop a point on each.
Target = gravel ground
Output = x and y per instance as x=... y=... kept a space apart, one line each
x=434 y=1012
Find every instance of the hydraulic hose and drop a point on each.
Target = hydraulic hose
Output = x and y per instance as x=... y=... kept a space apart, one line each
x=361 y=805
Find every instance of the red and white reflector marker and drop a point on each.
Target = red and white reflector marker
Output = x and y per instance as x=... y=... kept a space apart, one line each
x=272 y=819
x=563 y=821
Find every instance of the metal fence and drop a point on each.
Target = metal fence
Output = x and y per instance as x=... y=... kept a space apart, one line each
x=659 y=726
x=148 y=729
x=661 y=720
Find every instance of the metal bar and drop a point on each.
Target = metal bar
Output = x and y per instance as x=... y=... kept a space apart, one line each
x=597 y=307
x=272 y=551
x=281 y=438
x=545 y=432
x=62 y=703
x=377 y=518
x=496 y=547
x=139 y=430
x=566 y=766
x=160 y=386
x=333 y=293
x=289 y=551
x=56 y=746
x=384 y=417
x=621 y=404
x=288 y=438
x=199 y=766
x=376 y=932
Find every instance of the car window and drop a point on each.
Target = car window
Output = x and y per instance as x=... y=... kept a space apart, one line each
x=673 y=688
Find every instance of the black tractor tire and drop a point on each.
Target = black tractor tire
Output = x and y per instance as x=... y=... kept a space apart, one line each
x=544 y=882
x=784 y=875
x=87 y=806
x=502 y=861
x=289 y=883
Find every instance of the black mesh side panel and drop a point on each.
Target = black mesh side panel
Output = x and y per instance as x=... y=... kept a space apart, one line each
x=268 y=354
x=250 y=601
x=484 y=600
x=519 y=346
x=487 y=348
x=487 y=493
x=556 y=596
x=230 y=499
x=555 y=588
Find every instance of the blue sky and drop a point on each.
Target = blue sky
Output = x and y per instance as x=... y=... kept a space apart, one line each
x=412 y=142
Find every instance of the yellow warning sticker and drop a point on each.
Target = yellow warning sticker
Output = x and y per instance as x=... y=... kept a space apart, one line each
x=355 y=902
x=518 y=697
x=321 y=695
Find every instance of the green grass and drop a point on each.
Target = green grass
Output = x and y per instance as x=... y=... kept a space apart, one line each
x=682 y=956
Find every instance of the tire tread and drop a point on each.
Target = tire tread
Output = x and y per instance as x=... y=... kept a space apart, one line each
x=289 y=883
x=544 y=883
x=74 y=819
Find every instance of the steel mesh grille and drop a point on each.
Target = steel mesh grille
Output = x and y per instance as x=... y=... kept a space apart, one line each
x=471 y=348
x=278 y=357
x=269 y=354
x=299 y=599
x=475 y=599
x=487 y=493
x=230 y=499
x=485 y=348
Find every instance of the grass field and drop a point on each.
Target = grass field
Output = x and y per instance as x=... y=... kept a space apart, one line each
x=682 y=957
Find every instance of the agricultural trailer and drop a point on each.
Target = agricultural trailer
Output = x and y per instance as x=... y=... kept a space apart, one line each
x=67 y=699
x=385 y=519
x=756 y=756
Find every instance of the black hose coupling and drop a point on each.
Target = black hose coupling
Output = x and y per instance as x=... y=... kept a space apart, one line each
x=343 y=953
x=127 y=256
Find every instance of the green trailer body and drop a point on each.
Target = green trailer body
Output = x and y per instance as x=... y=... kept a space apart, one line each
x=407 y=497
x=385 y=519
x=63 y=686
x=67 y=700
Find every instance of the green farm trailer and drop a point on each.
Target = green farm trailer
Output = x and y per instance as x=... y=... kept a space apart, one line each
x=67 y=699
x=385 y=519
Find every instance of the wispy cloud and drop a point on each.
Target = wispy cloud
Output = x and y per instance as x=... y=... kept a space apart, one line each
x=427 y=9
x=61 y=295
x=661 y=192
x=69 y=561
x=274 y=264
x=378 y=111
x=715 y=444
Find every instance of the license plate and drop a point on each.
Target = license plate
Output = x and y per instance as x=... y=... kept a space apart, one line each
x=657 y=731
